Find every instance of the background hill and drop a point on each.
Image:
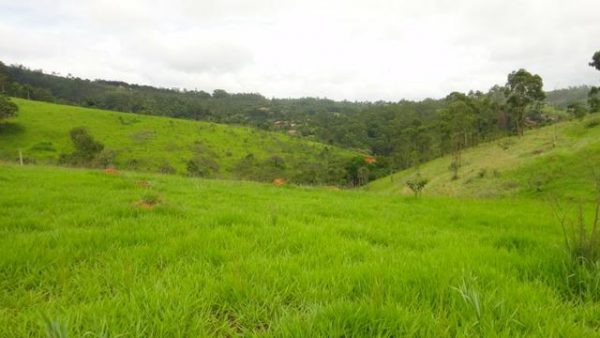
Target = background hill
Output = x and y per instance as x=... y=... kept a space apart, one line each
x=160 y=144
x=399 y=133
x=555 y=160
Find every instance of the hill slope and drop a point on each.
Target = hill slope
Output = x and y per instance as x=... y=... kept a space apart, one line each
x=85 y=253
x=555 y=160
x=149 y=143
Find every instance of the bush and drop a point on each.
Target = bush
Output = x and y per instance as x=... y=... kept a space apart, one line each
x=417 y=184
x=86 y=148
x=202 y=166
x=246 y=167
x=104 y=159
x=166 y=168
x=594 y=122
x=577 y=110
x=7 y=107
x=275 y=161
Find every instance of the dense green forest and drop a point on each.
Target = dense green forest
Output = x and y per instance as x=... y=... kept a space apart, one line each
x=399 y=134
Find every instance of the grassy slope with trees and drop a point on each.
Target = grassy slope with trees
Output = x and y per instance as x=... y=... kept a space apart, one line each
x=159 y=144
x=400 y=134
x=558 y=159
x=92 y=253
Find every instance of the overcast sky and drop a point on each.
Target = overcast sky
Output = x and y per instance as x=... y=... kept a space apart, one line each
x=355 y=50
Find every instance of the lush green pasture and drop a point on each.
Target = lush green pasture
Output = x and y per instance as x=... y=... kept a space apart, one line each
x=557 y=160
x=86 y=253
x=151 y=143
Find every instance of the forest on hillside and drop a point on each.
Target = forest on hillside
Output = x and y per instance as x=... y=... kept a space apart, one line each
x=399 y=134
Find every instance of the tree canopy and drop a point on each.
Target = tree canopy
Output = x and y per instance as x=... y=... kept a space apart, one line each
x=523 y=90
x=7 y=108
x=596 y=60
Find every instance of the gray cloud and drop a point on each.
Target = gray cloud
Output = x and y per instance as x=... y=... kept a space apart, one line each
x=341 y=49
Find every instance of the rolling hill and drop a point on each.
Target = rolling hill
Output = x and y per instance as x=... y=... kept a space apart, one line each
x=159 y=144
x=558 y=160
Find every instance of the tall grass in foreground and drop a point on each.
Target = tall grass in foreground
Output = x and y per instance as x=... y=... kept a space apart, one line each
x=582 y=243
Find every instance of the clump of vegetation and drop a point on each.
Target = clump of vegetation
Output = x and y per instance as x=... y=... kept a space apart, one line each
x=582 y=236
x=104 y=159
x=7 y=108
x=577 y=110
x=454 y=166
x=582 y=240
x=166 y=168
x=417 y=184
x=86 y=148
x=43 y=146
x=505 y=143
x=594 y=122
x=202 y=166
x=149 y=200
x=582 y=243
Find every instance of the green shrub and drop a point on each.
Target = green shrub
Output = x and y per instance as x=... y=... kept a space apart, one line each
x=104 y=159
x=7 y=107
x=43 y=146
x=202 y=166
x=166 y=168
x=86 y=148
x=150 y=198
x=591 y=123
x=417 y=184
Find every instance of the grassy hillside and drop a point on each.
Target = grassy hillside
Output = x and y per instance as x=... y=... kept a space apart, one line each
x=86 y=253
x=556 y=160
x=148 y=143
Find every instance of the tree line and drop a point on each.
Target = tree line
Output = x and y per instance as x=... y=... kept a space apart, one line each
x=399 y=134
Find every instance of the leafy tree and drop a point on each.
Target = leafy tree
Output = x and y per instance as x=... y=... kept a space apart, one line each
x=594 y=95
x=4 y=78
x=458 y=122
x=594 y=99
x=202 y=166
x=357 y=171
x=7 y=108
x=417 y=184
x=596 y=60
x=576 y=109
x=523 y=90
x=86 y=148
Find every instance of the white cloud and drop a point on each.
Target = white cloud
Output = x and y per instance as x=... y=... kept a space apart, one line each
x=359 y=50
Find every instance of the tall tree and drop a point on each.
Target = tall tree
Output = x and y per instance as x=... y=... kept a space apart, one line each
x=458 y=125
x=594 y=94
x=523 y=90
x=594 y=99
x=596 y=60
x=4 y=78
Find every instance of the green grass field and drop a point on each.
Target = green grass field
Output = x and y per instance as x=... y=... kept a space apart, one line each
x=88 y=254
x=554 y=161
x=150 y=143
